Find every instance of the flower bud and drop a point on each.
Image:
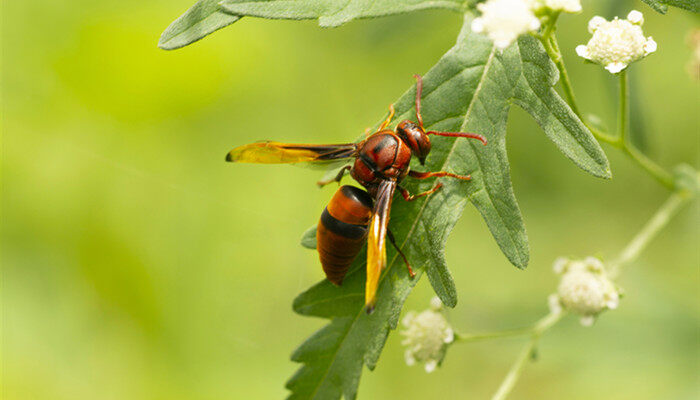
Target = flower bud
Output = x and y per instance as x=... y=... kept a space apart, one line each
x=427 y=336
x=584 y=289
x=617 y=43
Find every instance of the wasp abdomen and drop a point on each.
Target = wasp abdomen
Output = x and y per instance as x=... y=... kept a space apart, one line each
x=342 y=231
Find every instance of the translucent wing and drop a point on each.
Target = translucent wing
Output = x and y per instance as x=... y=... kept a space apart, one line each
x=376 y=241
x=283 y=153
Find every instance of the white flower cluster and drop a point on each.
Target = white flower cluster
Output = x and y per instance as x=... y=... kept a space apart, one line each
x=504 y=20
x=584 y=289
x=427 y=336
x=617 y=43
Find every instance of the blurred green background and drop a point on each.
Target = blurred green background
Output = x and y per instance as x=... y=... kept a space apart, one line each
x=138 y=265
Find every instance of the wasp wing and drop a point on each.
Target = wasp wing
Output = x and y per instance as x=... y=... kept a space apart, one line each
x=376 y=241
x=283 y=153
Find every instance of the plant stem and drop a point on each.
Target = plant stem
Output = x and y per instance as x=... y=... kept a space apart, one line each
x=549 y=41
x=624 y=110
x=652 y=168
x=563 y=74
x=641 y=240
x=492 y=335
x=516 y=370
x=536 y=329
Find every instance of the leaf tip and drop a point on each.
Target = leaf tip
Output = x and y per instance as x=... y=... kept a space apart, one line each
x=607 y=173
x=163 y=42
x=521 y=259
x=298 y=304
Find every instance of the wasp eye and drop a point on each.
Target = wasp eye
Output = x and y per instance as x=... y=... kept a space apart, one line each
x=415 y=138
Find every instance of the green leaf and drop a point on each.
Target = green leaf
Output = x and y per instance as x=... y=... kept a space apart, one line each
x=536 y=95
x=657 y=5
x=332 y=13
x=690 y=5
x=469 y=89
x=308 y=239
x=199 y=21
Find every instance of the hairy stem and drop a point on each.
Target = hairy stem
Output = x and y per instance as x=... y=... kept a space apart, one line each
x=515 y=371
x=517 y=368
x=652 y=168
x=623 y=110
x=642 y=239
x=536 y=329
x=563 y=74
x=459 y=337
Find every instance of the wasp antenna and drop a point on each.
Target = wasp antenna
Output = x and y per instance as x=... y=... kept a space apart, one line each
x=419 y=93
x=476 y=136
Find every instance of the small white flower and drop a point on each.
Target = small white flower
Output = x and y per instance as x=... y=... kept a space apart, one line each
x=615 y=67
x=635 y=17
x=584 y=289
x=582 y=51
x=554 y=304
x=559 y=265
x=570 y=6
x=649 y=46
x=435 y=304
x=594 y=264
x=426 y=336
x=617 y=43
x=504 y=20
x=595 y=23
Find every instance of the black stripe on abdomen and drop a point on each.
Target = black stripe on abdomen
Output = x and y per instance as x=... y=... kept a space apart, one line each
x=341 y=228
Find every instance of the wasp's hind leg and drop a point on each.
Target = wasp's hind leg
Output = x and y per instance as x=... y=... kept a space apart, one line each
x=337 y=178
x=405 y=260
x=410 y=197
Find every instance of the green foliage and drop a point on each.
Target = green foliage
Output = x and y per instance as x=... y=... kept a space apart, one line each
x=657 y=5
x=690 y=5
x=208 y=16
x=199 y=21
x=332 y=13
x=470 y=88
x=308 y=239
x=662 y=5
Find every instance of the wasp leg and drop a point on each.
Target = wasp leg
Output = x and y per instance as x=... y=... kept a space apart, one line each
x=439 y=174
x=410 y=197
x=337 y=178
x=388 y=119
x=405 y=260
x=419 y=93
